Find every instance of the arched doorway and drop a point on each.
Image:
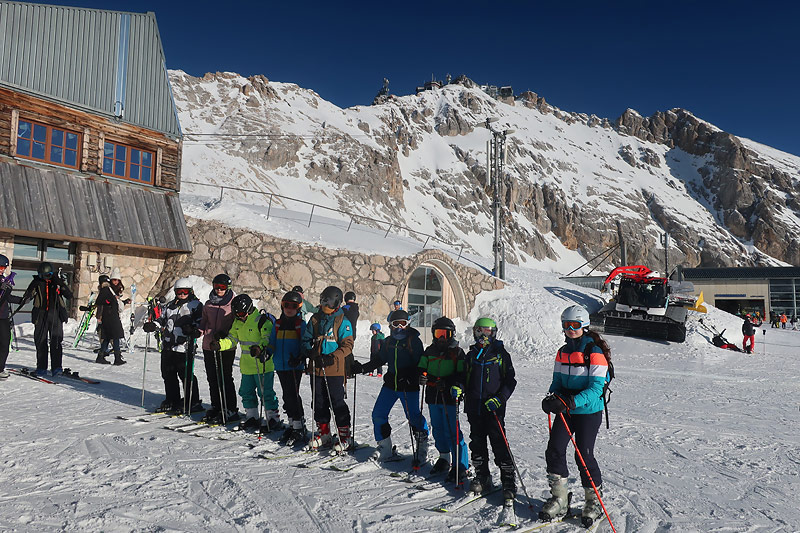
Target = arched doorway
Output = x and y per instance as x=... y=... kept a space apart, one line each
x=424 y=297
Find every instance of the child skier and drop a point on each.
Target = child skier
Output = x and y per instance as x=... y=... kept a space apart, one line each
x=443 y=365
x=489 y=383
x=577 y=391
x=376 y=341
x=749 y=334
x=179 y=329
x=284 y=344
x=218 y=319
x=251 y=330
x=327 y=341
x=402 y=352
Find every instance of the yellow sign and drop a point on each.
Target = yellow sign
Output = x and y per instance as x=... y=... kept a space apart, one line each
x=698 y=305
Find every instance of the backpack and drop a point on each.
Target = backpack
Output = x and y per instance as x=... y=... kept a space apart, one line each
x=598 y=341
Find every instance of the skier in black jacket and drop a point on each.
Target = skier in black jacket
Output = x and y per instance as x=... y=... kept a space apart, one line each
x=108 y=319
x=749 y=333
x=6 y=299
x=350 y=309
x=49 y=293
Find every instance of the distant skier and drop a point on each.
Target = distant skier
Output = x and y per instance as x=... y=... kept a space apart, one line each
x=6 y=299
x=489 y=383
x=443 y=365
x=375 y=346
x=783 y=320
x=251 y=330
x=350 y=309
x=402 y=351
x=749 y=332
x=180 y=327
x=49 y=293
x=109 y=321
x=216 y=321
x=308 y=308
x=579 y=378
x=397 y=305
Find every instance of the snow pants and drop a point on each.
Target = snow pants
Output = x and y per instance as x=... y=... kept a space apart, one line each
x=5 y=341
x=254 y=386
x=175 y=367
x=290 y=384
x=383 y=405
x=219 y=367
x=752 y=339
x=50 y=326
x=585 y=428
x=483 y=426
x=443 y=426
x=322 y=405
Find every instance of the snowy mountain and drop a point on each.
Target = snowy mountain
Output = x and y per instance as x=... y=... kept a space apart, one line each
x=420 y=160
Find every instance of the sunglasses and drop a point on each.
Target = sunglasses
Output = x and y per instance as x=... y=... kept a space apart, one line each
x=572 y=324
x=182 y=292
x=442 y=333
x=220 y=287
x=399 y=323
x=290 y=305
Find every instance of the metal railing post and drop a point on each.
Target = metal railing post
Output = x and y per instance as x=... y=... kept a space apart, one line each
x=426 y=242
x=269 y=209
x=351 y=223
x=460 y=252
x=221 y=190
x=312 y=215
x=387 y=231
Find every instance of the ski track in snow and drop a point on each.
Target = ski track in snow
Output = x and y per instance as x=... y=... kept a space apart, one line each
x=701 y=440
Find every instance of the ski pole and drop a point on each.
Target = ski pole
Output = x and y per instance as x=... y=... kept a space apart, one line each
x=586 y=469
x=144 y=364
x=330 y=407
x=221 y=387
x=14 y=336
x=455 y=440
x=513 y=461
x=190 y=378
x=353 y=421
x=300 y=400
x=261 y=395
x=458 y=443
x=415 y=462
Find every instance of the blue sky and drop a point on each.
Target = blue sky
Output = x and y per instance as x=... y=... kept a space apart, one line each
x=735 y=64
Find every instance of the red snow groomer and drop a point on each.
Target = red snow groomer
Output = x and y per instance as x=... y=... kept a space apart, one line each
x=644 y=305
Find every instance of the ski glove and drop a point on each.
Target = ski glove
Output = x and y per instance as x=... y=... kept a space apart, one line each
x=149 y=327
x=194 y=333
x=456 y=392
x=296 y=360
x=557 y=403
x=255 y=352
x=423 y=379
x=493 y=404
x=219 y=335
x=357 y=367
x=324 y=360
x=214 y=345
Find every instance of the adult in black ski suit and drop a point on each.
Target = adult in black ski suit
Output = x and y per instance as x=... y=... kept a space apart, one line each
x=108 y=319
x=49 y=293
x=6 y=299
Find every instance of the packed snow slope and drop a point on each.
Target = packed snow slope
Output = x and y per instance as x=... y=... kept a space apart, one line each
x=420 y=161
x=701 y=440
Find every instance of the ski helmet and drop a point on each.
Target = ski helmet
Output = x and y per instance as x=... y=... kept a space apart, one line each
x=103 y=279
x=398 y=314
x=349 y=296
x=484 y=322
x=375 y=327
x=298 y=288
x=221 y=279
x=576 y=313
x=292 y=296
x=45 y=270
x=3 y=261
x=331 y=298
x=445 y=329
x=242 y=306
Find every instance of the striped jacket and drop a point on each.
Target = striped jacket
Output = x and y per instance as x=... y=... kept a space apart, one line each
x=284 y=342
x=571 y=375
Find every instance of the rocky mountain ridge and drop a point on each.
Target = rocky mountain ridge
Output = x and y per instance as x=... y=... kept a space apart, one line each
x=421 y=160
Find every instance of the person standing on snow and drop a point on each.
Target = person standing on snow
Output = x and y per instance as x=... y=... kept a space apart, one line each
x=307 y=308
x=396 y=306
x=783 y=320
x=6 y=299
x=327 y=341
x=251 y=330
x=375 y=347
x=489 y=383
x=216 y=321
x=749 y=332
x=443 y=366
x=109 y=320
x=402 y=351
x=284 y=345
x=180 y=327
x=577 y=391
x=350 y=309
x=49 y=292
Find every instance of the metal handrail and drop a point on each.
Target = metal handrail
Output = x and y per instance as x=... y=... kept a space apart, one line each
x=352 y=216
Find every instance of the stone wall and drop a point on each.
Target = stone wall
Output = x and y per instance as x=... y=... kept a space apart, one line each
x=266 y=267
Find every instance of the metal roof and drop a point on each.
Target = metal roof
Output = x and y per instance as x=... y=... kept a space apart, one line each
x=51 y=201
x=107 y=62
x=741 y=273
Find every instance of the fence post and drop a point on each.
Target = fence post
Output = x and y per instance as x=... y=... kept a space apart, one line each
x=387 y=231
x=221 y=190
x=269 y=209
x=351 y=223
x=460 y=252
x=426 y=242
x=312 y=215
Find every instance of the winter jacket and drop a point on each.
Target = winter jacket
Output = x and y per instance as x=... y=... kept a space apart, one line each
x=375 y=344
x=490 y=374
x=284 y=342
x=49 y=299
x=748 y=328
x=306 y=310
x=252 y=331
x=402 y=357
x=585 y=383
x=351 y=312
x=179 y=317
x=325 y=335
x=108 y=312
x=446 y=366
x=6 y=299
x=217 y=316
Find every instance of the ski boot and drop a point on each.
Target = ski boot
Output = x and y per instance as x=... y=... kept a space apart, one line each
x=231 y=415
x=441 y=466
x=463 y=475
x=288 y=434
x=509 y=483
x=558 y=504
x=212 y=416
x=345 y=442
x=383 y=450
x=196 y=407
x=592 y=509
x=272 y=422
x=251 y=419
x=322 y=439
x=479 y=483
x=422 y=448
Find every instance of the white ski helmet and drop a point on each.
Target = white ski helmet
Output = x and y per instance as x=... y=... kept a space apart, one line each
x=183 y=283
x=576 y=313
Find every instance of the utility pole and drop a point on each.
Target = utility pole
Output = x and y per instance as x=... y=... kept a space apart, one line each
x=665 y=243
x=496 y=155
x=623 y=253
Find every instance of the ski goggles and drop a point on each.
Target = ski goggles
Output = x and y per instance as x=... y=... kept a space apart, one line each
x=182 y=292
x=220 y=286
x=572 y=324
x=330 y=303
x=484 y=331
x=399 y=324
x=442 y=334
x=290 y=305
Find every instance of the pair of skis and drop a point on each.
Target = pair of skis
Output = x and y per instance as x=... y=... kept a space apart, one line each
x=67 y=373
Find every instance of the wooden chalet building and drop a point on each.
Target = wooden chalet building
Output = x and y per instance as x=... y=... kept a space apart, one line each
x=90 y=146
